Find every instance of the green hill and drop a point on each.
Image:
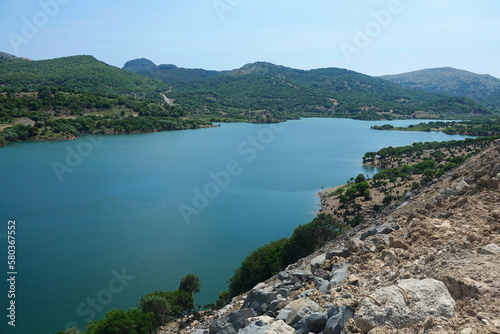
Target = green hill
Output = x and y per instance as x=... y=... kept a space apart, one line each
x=269 y=92
x=82 y=73
x=169 y=74
x=482 y=88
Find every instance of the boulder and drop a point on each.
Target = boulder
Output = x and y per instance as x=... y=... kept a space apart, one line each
x=321 y=273
x=300 y=308
x=354 y=244
x=340 y=252
x=428 y=298
x=368 y=233
x=317 y=262
x=339 y=273
x=200 y=331
x=259 y=300
x=397 y=243
x=336 y=322
x=231 y=323
x=263 y=319
x=300 y=274
x=279 y=327
x=257 y=327
x=384 y=229
x=491 y=249
x=462 y=187
x=317 y=319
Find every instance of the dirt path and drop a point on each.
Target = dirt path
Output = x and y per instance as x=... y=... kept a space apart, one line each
x=170 y=102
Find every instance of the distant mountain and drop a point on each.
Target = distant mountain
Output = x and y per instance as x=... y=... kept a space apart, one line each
x=482 y=88
x=167 y=73
x=83 y=73
x=267 y=91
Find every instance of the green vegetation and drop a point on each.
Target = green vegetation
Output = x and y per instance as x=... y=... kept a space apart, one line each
x=267 y=92
x=475 y=127
x=270 y=259
x=155 y=309
x=484 y=89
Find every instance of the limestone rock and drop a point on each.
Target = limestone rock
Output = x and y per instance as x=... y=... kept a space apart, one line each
x=336 y=323
x=279 y=327
x=339 y=273
x=231 y=323
x=257 y=327
x=264 y=319
x=491 y=249
x=429 y=298
x=340 y=252
x=259 y=300
x=354 y=244
x=301 y=308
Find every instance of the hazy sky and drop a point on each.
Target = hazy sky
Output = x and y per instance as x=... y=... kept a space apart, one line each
x=369 y=36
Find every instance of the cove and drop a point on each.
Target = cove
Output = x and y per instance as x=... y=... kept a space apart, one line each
x=138 y=212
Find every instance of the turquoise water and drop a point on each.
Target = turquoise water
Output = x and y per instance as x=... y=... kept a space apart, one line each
x=121 y=216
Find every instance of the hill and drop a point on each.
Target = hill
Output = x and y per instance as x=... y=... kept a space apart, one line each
x=65 y=97
x=482 y=88
x=270 y=92
x=169 y=74
x=83 y=73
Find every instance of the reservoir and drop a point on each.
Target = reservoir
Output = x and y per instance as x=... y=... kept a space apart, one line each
x=103 y=220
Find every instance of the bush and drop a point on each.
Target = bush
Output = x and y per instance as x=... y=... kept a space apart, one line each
x=123 y=322
x=159 y=306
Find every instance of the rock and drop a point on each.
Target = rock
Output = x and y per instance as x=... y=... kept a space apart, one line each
x=231 y=323
x=325 y=287
x=397 y=243
x=462 y=187
x=301 y=327
x=283 y=314
x=444 y=194
x=255 y=328
x=317 y=319
x=274 y=304
x=317 y=262
x=282 y=292
x=389 y=257
x=259 y=300
x=339 y=274
x=284 y=276
x=368 y=233
x=340 y=252
x=429 y=298
x=384 y=229
x=300 y=274
x=321 y=273
x=354 y=244
x=353 y=280
x=200 y=331
x=491 y=249
x=300 y=308
x=264 y=319
x=467 y=330
x=336 y=323
x=279 y=327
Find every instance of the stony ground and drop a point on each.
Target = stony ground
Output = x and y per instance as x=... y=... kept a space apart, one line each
x=428 y=265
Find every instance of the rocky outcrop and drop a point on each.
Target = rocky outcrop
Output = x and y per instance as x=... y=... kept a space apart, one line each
x=406 y=304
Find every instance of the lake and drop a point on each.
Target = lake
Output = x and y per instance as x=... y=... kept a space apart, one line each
x=103 y=220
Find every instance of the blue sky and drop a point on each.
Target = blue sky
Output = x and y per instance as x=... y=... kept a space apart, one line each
x=369 y=36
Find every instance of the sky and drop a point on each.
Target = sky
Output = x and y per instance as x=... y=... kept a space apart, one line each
x=374 y=37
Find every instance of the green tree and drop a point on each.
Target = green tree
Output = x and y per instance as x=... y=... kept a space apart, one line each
x=191 y=283
x=360 y=178
x=159 y=306
x=123 y=322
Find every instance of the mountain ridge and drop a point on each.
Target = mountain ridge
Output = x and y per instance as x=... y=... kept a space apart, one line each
x=483 y=88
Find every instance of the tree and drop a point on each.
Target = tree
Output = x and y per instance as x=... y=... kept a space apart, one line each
x=123 y=322
x=191 y=283
x=360 y=178
x=159 y=306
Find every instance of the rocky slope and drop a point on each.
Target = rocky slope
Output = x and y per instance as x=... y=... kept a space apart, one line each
x=430 y=264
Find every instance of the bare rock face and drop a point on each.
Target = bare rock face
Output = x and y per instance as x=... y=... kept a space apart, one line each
x=491 y=249
x=428 y=298
x=279 y=327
